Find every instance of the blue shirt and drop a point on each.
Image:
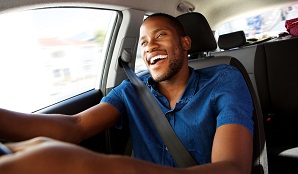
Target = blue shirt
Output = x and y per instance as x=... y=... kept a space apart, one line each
x=213 y=97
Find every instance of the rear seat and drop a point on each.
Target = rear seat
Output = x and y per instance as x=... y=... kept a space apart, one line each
x=276 y=72
x=273 y=69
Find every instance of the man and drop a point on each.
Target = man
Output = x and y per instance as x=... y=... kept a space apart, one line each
x=210 y=111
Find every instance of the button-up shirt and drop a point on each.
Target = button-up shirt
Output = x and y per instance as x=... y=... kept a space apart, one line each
x=213 y=97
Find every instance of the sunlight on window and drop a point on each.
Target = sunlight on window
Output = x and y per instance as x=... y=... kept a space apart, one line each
x=140 y=64
x=269 y=23
x=49 y=55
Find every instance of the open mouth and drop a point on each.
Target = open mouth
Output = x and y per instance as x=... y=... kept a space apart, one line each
x=155 y=59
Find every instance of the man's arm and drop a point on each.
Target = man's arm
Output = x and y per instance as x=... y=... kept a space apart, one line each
x=233 y=147
x=232 y=154
x=17 y=126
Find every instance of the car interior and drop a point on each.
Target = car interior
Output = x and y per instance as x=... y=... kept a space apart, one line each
x=68 y=62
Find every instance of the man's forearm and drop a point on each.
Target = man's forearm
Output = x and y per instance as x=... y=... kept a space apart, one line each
x=15 y=126
x=127 y=165
x=43 y=155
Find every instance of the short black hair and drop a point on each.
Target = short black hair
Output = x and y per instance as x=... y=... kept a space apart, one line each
x=174 y=22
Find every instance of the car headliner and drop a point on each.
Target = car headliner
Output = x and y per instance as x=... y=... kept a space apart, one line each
x=216 y=11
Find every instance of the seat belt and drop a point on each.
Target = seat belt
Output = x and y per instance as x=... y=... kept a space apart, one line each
x=181 y=156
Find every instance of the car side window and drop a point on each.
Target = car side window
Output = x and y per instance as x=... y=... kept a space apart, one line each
x=140 y=64
x=49 y=55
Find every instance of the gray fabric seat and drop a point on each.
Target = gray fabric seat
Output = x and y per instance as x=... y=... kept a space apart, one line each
x=198 y=29
x=272 y=67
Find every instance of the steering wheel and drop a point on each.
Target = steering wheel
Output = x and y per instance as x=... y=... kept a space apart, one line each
x=4 y=150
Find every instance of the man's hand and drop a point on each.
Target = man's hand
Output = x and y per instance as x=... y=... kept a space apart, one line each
x=45 y=155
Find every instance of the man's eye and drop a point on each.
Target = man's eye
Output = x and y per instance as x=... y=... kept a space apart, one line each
x=160 y=35
x=143 y=44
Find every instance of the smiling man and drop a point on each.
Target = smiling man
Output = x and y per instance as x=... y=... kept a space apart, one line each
x=164 y=51
x=210 y=110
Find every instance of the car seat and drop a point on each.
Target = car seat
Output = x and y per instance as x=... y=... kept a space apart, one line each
x=203 y=41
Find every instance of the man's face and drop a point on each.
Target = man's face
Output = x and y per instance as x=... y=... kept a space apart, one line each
x=162 y=49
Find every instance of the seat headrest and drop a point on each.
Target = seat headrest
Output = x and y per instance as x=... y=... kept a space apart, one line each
x=198 y=29
x=231 y=40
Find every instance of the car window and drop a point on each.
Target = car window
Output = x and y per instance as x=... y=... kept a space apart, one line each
x=49 y=55
x=265 y=24
x=140 y=64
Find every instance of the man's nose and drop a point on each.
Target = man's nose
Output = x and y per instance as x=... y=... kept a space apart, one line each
x=151 y=46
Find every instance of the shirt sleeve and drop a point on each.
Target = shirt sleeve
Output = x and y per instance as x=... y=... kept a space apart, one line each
x=232 y=99
x=115 y=98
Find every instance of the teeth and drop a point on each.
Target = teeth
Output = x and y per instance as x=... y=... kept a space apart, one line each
x=159 y=57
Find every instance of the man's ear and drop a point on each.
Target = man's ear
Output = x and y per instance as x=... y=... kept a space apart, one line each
x=186 y=43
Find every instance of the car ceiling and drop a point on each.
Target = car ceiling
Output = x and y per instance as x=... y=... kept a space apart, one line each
x=216 y=11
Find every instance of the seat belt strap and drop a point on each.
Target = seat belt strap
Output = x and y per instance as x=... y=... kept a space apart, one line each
x=181 y=156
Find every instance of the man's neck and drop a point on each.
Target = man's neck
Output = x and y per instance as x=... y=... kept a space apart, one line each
x=173 y=88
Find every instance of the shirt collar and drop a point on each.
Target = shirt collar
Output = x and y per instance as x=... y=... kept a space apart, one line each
x=191 y=88
x=189 y=92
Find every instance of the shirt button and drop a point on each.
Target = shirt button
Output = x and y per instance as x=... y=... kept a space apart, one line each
x=167 y=149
